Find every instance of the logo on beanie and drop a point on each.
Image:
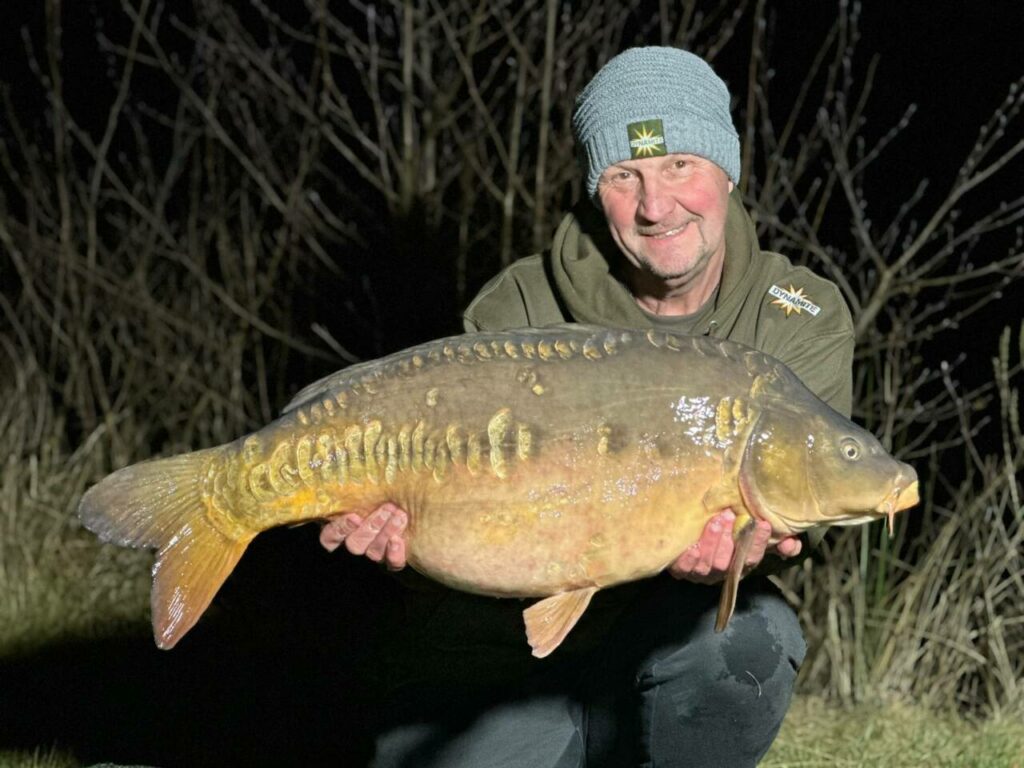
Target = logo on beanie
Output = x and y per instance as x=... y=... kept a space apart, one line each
x=646 y=139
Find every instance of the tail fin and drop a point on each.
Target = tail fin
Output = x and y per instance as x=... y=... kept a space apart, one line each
x=159 y=504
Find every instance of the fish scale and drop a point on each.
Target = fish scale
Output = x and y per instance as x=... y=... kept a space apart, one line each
x=543 y=463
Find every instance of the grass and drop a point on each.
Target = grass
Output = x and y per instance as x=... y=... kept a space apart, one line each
x=892 y=735
x=37 y=758
x=56 y=580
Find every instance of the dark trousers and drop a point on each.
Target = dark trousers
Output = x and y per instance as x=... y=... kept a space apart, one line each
x=645 y=681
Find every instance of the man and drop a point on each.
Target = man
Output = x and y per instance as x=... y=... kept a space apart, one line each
x=663 y=242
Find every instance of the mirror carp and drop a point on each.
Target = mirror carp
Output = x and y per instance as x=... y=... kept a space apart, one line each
x=535 y=463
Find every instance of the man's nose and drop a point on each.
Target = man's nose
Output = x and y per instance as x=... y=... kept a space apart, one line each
x=656 y=200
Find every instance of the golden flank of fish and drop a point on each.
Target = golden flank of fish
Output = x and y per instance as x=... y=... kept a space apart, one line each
x=545 y=463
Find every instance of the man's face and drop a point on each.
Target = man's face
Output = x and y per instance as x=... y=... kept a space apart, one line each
x=667 y=214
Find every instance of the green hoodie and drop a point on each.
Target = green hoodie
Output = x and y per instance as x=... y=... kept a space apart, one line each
x=762 y=301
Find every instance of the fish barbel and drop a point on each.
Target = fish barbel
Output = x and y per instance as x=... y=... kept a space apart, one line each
x=543 y=463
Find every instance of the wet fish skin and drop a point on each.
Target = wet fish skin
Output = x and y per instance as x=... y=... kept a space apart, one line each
x=534 y=463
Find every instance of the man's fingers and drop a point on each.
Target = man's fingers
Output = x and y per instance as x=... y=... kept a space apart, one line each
x=360 y=539
x=392 y=529
x=722 y=553
x=759 y=544
x=789 y=547
x=379 y=537
x=337 y=529
x=394 y=556
x=705 y=561
x=686 y=562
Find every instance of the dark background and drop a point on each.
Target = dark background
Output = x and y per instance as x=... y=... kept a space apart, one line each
x=952 y=62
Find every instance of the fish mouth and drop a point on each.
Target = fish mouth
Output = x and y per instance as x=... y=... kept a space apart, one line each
x=899 y=499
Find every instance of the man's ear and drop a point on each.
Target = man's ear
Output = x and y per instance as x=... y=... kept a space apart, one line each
x=731 y=186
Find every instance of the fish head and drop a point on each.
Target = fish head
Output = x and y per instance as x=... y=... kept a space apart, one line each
x=807 y=465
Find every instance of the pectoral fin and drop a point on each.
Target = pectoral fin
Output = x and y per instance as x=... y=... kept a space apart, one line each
x=724 y=494
x=548 y=621
x=731 y=585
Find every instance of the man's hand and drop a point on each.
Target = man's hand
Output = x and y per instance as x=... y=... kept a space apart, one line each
x=707 y=561
x=379 y=536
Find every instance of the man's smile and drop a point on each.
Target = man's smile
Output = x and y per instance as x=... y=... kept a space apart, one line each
x=663 y=234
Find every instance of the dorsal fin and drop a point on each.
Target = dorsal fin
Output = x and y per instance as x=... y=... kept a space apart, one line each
x=325 y=386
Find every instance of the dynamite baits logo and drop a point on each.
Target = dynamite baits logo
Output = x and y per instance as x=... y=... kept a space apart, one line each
x=646 y=139
x=793 y=300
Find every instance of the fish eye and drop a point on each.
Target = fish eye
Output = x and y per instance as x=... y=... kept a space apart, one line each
x=850 y=449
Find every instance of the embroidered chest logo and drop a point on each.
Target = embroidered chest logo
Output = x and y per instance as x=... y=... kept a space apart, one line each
x=793 y=300
x=646 y=139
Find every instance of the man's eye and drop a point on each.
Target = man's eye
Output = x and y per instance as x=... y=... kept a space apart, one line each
x=619 y=178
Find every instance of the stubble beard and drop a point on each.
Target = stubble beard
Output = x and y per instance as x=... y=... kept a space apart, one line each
x=685 y=275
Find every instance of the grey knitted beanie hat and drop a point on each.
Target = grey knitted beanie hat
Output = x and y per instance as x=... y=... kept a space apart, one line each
x=654 y=101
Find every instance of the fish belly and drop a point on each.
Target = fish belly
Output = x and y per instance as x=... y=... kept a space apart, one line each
x=554 y=529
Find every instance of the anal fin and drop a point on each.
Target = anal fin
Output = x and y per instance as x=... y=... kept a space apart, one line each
x=550 y=620
x=731 y=585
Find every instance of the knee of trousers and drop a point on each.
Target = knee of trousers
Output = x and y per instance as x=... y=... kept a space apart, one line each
x=757 y=656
